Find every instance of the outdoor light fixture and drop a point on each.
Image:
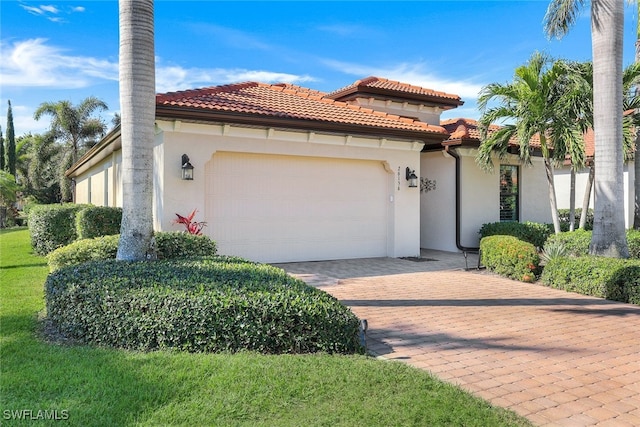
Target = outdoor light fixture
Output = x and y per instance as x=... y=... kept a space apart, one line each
x=187 y=168
x=411 y=177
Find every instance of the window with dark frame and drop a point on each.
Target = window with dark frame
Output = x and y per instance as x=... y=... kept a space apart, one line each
x=509 y=190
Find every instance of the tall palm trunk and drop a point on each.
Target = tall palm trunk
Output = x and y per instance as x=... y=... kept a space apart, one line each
x=572 y=200
x=607 y=20
x=137 y=105
x=636 y=159
x=587 y=197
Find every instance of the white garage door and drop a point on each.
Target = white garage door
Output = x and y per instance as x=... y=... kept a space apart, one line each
x=272 y=208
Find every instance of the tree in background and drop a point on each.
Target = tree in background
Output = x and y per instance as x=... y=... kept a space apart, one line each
x=10 y=150
x=541 y=101
x=38 y=165
x=76 y=128
x=2 y=162
x=137 y=109
x=607 y=22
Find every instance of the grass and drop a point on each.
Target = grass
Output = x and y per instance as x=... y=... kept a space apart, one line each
x=100 y=386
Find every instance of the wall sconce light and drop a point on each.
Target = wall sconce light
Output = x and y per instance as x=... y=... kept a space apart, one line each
x=411 y=176
x=187 y=168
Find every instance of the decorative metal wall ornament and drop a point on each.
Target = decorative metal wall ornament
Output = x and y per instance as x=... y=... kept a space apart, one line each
x=427 y=185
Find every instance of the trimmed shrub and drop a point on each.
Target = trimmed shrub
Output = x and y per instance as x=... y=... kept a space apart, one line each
x=176 y=244
x=531 y=232
x=510 y=257
x=206 y=304
x=563 y=215
x=575 y=242
x=52 y=226
x=633 y=241
x=610 y=278
x=173 y=244
x=96 y=221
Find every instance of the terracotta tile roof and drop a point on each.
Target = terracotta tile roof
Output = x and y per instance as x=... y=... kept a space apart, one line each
x=287 y=101
x=392 y=87
x=467 y=129
x=589 y=143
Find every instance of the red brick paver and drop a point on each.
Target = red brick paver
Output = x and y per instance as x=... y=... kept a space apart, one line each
x=557 y=358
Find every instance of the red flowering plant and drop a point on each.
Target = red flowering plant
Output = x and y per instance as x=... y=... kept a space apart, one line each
x=191 y=226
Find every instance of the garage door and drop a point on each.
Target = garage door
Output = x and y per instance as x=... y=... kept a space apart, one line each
x=272 y=208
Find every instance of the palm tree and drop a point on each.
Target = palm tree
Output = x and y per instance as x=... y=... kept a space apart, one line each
x=540 y=101
x=137 y=105
x=636 y=159
x=607 y=21
x=39 y=165
x=76 y=128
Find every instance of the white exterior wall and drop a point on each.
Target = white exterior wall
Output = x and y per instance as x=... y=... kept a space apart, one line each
x=438 y=206
x=563 y=190
x=100 y=185
x=201 y=141
x=420 y=112
x=480 y=198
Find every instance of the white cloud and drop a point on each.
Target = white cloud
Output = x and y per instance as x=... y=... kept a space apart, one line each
x=172 y=78
x=415 y=74
x=50 y=8
x=51 y=12
x=34 y=63
x=23 y=121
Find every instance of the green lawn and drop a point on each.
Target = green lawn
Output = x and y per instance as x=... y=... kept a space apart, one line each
x=99 y=386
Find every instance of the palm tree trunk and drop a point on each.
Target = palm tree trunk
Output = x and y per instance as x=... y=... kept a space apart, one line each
x=636 y=157
x=548 y=167
x=572 y=201
x=587 y=197
x=609 y=237
x=137 y=105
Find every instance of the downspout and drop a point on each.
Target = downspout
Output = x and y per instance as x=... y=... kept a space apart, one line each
x=464 y=249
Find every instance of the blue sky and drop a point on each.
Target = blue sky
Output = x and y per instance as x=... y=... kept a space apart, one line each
x=68 y=50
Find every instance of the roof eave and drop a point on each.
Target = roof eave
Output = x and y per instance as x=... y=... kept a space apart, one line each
x=182 y=113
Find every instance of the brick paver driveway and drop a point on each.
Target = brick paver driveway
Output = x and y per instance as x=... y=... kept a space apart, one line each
x=555 y=357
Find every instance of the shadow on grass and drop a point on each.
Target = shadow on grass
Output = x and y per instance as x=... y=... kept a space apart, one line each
x=38 y=264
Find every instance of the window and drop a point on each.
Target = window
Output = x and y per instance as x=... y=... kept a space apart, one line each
x=509 y=189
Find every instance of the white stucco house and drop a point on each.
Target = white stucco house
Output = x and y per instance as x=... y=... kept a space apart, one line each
x=284 y=173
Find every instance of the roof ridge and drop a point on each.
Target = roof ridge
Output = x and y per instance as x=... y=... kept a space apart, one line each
x=206 y=90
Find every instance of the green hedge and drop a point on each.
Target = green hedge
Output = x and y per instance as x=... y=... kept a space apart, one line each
x=52 y=226
x=510 y=257
x=531 y=232
x=173 y=244
x=95 y=221
x=563 y=215
x=577 y=242
x=610 y=278
x=206 y=304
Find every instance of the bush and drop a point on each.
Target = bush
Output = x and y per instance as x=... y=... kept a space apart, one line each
x=169 y=245
x=531 y=232
x=564 y=219
x=510 y=257
x=207 y=304
x=633 y=241
x=575 y=242
x=175 y=244
x=96 y=221
x=610 y=278
x=52 y=226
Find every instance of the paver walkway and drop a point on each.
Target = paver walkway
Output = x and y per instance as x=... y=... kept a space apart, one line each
x=557 y=358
